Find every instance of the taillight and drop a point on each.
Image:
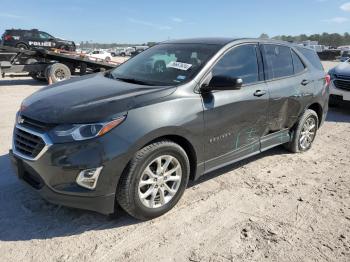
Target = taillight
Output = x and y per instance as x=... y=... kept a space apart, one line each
x=7 y=37
x=328 y=79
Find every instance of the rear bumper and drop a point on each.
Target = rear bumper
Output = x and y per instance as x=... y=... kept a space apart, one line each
x=100 y=203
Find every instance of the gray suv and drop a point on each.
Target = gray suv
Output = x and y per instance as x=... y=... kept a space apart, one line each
x=136 y=135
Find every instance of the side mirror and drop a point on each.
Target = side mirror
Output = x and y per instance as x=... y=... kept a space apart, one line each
x=223 y=83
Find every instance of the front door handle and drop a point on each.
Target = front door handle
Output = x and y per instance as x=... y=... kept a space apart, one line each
x=259 y=93
x=305 y=82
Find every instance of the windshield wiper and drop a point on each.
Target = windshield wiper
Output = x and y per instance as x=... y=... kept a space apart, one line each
x=134 y=81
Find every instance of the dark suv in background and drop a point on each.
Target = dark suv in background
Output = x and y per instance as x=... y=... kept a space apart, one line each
x=136 y=134
x=26 y=39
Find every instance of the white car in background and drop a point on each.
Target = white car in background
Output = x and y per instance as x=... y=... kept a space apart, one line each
x=100 y=55
x=340 y=83
x=125 y=51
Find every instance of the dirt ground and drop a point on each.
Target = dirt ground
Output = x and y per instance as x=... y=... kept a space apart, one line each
x=275 y=206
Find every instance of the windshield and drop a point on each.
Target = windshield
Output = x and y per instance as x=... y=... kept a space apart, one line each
x=165 y=64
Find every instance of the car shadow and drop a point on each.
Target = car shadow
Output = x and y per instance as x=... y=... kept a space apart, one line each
x=339 y=113
x=21 y=82
x=24 y=215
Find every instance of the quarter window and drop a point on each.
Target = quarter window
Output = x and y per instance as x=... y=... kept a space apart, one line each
x=312 y=56
x=240 y=62
x=297 y=63
x=277 y=61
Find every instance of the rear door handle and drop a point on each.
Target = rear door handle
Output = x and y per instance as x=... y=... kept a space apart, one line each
x=259 y=93
x=305 y=82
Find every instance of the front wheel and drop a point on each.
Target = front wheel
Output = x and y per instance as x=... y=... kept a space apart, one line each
x=155 y=180
x=64 y=48
x=304 y=133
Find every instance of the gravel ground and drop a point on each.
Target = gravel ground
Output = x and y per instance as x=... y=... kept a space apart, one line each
x=275 y=206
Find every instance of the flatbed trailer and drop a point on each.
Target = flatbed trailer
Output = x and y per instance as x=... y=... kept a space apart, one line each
x=44 y=65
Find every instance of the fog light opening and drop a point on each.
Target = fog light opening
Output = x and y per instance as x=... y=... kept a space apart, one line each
x=88 y=178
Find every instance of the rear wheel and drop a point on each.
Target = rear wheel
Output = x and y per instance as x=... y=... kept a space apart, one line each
x=22 y=46
x=155 y=180
x=304 y=133
x=58 y=72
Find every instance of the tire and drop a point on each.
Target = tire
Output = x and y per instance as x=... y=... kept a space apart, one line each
x=295 y=145
x=58 y=72
x=22 y=46
x=46 y=72
x=129 y=189
x=64 y=47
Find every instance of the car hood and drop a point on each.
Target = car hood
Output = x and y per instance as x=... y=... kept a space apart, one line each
x=342 y=69
x=88 y=99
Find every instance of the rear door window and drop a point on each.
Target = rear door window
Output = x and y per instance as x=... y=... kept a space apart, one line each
x=277 y=61
x=312 y=57
x=28 y=34
x=297 y=63
x=240 y=62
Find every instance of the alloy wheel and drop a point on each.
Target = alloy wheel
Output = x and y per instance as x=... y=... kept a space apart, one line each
x=308 y=133
x=160 y=181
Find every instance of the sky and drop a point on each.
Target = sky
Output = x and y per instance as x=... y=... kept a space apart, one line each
x=139 y=21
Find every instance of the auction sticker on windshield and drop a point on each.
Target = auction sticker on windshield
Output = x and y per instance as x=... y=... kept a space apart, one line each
x=179 y=65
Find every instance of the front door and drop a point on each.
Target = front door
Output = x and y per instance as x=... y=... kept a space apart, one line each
x=42 y=39
x=235 y=120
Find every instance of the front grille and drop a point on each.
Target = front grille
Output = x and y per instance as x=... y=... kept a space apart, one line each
x=27 y=143
x=36 y=125
x=342 y=84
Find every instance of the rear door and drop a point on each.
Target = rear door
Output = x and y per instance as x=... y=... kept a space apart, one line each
x=235 y=120
x=289 y=84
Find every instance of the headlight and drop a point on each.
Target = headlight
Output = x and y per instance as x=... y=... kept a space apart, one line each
x=87 y=131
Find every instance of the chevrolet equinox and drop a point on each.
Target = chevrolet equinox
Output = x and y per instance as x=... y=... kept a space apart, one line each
x=136 y=135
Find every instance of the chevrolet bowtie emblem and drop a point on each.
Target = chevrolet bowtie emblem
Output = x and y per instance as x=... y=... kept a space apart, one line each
x=20 y=120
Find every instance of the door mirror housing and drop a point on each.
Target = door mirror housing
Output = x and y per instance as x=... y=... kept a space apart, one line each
x=223 y=83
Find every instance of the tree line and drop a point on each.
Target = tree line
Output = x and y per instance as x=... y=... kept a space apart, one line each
x=333 y=39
